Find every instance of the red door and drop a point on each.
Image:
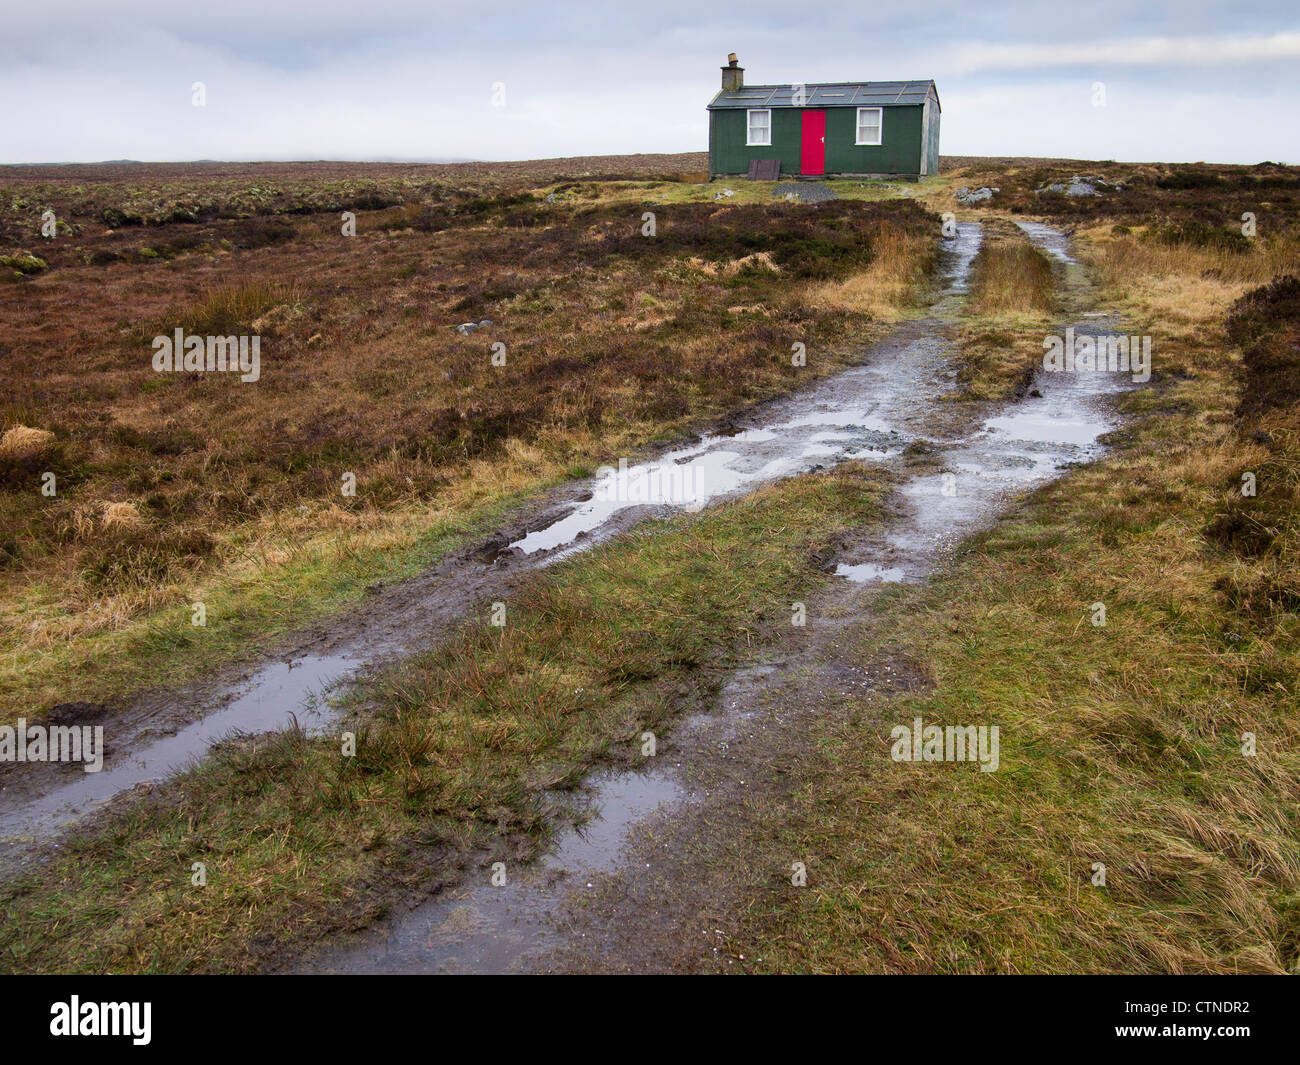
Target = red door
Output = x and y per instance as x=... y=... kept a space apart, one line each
x=812 y=157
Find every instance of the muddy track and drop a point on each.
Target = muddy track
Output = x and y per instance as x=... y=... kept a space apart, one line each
x=656 y=862
x=163 y=729
x=878 y=411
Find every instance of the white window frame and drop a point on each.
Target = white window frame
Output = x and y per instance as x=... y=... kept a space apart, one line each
x=880 y=126
x=749 y=127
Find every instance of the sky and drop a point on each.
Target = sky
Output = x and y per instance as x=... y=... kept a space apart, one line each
x=91 y=80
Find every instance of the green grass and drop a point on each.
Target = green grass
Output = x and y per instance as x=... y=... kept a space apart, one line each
x=455 y=746
x=744 y=191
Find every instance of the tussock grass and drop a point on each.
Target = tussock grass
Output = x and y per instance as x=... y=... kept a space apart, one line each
x=236 y=309
x=120 y=517
x=23 y=442
x=26 y=455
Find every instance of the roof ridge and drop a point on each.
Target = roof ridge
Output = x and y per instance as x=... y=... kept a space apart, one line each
x=824 y=84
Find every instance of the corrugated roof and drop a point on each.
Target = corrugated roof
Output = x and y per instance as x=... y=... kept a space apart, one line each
x=832 y=94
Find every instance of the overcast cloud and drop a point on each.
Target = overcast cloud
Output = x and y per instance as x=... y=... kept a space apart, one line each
x=402 y=79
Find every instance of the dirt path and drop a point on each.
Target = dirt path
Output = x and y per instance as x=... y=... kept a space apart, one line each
x=664 y=858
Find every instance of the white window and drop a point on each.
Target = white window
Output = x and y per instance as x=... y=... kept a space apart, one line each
x=759 y=130
x=869 y=123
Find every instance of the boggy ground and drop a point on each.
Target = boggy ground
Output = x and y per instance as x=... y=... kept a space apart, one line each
x=951 y=871
x=1125 y=745
x=722 y=772
x=1132 y=746
x=237 y=515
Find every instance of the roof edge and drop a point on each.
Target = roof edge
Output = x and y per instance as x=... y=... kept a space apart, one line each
x=919 y=91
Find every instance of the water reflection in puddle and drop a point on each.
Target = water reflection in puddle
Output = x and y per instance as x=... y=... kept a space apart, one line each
x=274 y=698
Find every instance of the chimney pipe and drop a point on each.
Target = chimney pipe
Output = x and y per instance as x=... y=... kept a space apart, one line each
x=733 y=76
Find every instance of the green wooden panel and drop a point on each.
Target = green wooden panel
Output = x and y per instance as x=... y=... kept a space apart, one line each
x=728 y=153
x=899 y=152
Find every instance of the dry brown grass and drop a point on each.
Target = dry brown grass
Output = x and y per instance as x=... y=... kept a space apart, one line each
x=1010 y=275
x=888 y=286
x=1012 y=304
x=1185 y=285
x=23 y=442
x=120 y=517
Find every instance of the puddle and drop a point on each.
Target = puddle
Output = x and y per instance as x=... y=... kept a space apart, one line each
x=499 y=929
x=1051 y=241
x=869 y=571
x=272 y=699
x=1045 y=427
x=869 y=408
x=1012 y=451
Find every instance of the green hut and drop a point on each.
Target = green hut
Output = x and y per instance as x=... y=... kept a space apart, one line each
x=851 y=128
